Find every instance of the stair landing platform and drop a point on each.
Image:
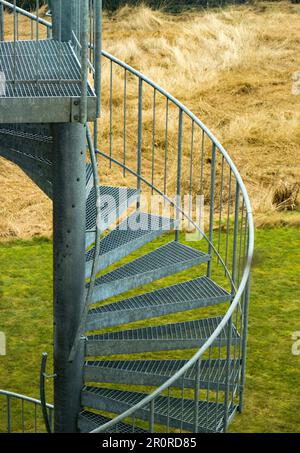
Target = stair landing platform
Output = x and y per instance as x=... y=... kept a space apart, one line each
x=40 y=82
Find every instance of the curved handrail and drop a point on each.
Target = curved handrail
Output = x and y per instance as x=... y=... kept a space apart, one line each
x=11 y=396
x=23 y=12
x=24 y=398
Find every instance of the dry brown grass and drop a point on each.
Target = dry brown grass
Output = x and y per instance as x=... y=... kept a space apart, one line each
x=233 y=68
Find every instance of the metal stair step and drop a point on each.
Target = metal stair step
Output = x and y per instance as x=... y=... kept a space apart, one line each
x=213 y=373
x=199 y=292
x=132 y=233
x=176 y=412
x=182 y=335
x=165 y=260
x=87 y=421
x=114 y=201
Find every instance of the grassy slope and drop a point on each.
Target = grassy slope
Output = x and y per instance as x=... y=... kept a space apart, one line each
x=272 y=402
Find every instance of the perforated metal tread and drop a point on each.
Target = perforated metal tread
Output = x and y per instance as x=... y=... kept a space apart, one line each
x=182 y=335
x=199 y=292
x=161 y=262
x=213 y=373
x=88 y=421
x=114 y=201
x=177 y=412
x=135 y=231
x=59 y=64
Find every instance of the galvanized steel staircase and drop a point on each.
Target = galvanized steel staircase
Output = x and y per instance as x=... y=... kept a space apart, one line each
x=204 y=390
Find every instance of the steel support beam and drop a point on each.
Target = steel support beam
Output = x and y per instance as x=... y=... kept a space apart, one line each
x=69 y=268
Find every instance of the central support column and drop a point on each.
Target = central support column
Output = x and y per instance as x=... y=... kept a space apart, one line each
x=69 y=202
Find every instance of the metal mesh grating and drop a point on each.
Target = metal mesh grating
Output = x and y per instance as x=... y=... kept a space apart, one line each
x=133 y=227
x=199 y=288
x=96 y=420
x=213 y=371
x=174 y=410
x=45 y=68
x=167 y=255
x=190 y=330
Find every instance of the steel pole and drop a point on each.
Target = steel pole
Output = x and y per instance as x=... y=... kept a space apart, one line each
x=69 y=269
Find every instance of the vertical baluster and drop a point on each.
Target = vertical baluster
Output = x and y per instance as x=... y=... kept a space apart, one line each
x=241 y=242
x=228 y=219
x=235 y=232
x=218 y=379
x=166 y=147
x=220 y=208
x=227 y=373
x=59 y=35
x=244 y=336
x=179 y=172
x=168 y=411
x=124 y=121
x=191 y=174
x=97 y=52
x=153 y=138
x=15 y=45
x=37 y=50
x=84 y=60
x=110 y=111
x=182 y=403
x=212 y=206
x=8 y=412
x=31 y=29
x=1 y=22
x=202 y=164
x=17 y=26
x=196 y=395
x=208 y=388
x=152 y=416
x=140 y=126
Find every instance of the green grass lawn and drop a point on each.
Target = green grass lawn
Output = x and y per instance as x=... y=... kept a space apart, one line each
x=272 y=401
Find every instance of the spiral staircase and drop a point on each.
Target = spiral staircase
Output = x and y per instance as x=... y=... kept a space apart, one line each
x=150 y=321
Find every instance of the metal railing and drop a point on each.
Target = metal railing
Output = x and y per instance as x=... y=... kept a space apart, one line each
x=184 y=157
x=22 y=414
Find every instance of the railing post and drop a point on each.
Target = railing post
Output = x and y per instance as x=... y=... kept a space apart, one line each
x=1 y=22
x=179 y=173
x=196 y=397
x=152 y=412
x=235 y=232
x=140 y=137
x=228 y=370
x=84 y=59
x=212 y=205
x=69 y=203
x=244 y=344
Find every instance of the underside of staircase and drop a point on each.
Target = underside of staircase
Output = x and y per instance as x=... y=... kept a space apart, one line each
x=133 y=300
